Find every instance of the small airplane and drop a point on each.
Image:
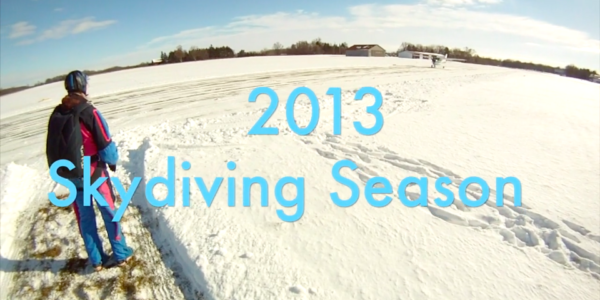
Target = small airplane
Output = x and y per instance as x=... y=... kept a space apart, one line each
x=439 y=61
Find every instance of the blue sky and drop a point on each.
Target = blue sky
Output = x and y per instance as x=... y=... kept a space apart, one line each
x=45 y=38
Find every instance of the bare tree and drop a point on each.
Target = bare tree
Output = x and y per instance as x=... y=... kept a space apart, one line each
x=404 y=46
x=193 y=52
x=179 y=54
x=277 y=47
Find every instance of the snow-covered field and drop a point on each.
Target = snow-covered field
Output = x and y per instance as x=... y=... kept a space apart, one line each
x=464 y=120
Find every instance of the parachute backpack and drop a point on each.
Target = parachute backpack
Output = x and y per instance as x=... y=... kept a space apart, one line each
x=64 y=140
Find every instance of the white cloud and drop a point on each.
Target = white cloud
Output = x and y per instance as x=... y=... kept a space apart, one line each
x=21 y=29
x=69 y=27
x=58 y=9
x=462 y=2
x=397 y=21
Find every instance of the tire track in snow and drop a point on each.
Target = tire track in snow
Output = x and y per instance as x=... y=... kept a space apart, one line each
x=181 y=100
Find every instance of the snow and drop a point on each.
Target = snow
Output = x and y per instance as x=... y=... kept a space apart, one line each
x=464 y=120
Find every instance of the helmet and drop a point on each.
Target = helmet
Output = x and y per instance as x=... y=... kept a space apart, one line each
x=76 y=81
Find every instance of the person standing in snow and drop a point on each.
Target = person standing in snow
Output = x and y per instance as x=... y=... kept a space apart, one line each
x=77 y=129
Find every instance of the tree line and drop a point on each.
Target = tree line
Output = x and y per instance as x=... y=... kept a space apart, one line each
x=315 y=47
x=469 y=55
x=318 y=47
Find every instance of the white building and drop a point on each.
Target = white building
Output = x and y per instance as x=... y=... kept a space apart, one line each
x=417 y=54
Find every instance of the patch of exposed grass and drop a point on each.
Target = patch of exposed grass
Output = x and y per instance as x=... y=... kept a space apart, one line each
x=55 y=265
x=131 y=281
x=45 y=292
x=52 y=252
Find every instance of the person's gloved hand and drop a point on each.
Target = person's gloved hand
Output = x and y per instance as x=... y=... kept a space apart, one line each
x=112 y=168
